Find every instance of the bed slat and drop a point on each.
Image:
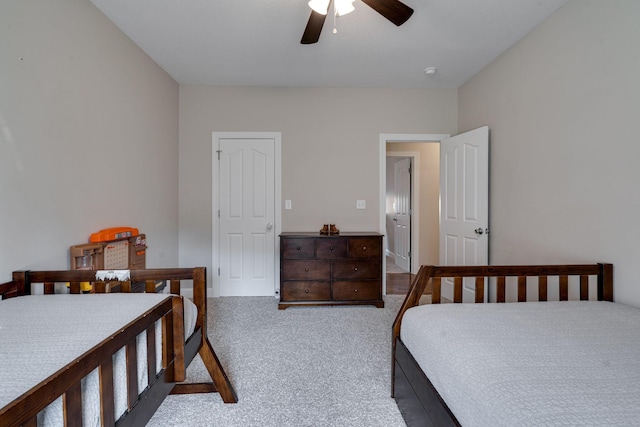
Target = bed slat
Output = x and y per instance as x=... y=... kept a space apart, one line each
x=74 y=287
x=175 y=287
x=72 y=405
x=150 y=286
x=167 y=328
x=479 y=289
x=584 y=288
x=501 y=292
x=132 y=373
x=125 y=286
x=107 y=409
x=542 y=288
x=49 y=288
x=457 y=289
x=151 y=353
x=522 y=288
x=437 y=290
x=564 y=288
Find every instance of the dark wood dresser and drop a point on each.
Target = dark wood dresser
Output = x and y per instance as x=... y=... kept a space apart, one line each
x=339 y=269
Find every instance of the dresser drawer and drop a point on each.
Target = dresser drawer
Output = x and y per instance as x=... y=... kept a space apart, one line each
x=306 y=291
x=356 y=269
x=356 y=290
x=298 y=248
x=329 y=248
x=364 y=247
x=310 y=269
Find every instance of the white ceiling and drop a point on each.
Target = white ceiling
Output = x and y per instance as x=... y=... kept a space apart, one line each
x=257 y=42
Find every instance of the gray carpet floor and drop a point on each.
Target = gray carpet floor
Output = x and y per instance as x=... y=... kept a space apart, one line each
x=303 y=366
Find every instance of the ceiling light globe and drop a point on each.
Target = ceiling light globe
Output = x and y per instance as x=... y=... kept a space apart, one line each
x=319 y=6
x=344 y=6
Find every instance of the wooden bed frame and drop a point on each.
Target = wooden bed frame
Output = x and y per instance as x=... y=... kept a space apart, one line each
x=177 y=354
x=417 y=399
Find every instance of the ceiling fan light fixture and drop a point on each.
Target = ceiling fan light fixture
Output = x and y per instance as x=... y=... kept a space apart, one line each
x=393 y=10
x=319 y=6
x=344 y=6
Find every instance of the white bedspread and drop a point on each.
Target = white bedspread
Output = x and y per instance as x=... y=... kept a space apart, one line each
x=531 y=364
x=41 y=334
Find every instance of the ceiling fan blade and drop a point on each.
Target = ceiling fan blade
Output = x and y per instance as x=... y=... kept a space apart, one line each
x=314 y=27
x=394 y=10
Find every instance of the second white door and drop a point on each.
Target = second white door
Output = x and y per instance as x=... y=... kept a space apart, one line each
x=402 y=214
x=464 y=203
x=246 y=216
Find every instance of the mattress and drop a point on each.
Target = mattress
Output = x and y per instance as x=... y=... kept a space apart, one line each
x=531 y=364
x=41 y=334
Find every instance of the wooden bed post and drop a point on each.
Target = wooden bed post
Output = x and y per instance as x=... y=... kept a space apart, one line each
x=605 y=282
x=221 y=382
x=213 y=365
x=22 y=282
x=412 y=299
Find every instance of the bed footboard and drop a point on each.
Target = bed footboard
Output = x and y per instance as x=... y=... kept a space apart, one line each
x=67 y=381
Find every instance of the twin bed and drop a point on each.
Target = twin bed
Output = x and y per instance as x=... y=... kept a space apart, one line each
x=565 y=354
x=110 y=359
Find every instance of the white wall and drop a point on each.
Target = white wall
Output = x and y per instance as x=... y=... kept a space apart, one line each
x=562 y=106
x=330 y=144
x=88 y=136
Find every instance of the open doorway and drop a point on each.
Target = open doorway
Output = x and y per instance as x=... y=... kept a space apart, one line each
x=399 y=208
x=424 y=152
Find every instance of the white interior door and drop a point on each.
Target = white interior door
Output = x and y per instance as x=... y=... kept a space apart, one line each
x=464 y=203
x=402 y=214
x=246 y=217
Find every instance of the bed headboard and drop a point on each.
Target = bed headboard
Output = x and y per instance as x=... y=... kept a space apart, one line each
x=25 y=279
x=435 y=274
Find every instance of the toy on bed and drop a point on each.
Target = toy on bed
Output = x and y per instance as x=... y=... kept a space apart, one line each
x=101 y=358
x=571 y=361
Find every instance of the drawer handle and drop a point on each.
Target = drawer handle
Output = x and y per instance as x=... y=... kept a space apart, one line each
x=330 y=248
x=364 y=248
x=355 y=290
x=298 y=248
x=306 y=269
x=355 y=268
x=306 y=291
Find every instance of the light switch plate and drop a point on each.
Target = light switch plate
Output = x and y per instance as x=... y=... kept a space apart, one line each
x=361 y=204
x=287 y=204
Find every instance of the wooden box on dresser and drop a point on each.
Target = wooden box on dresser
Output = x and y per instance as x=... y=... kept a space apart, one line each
x=337 y=269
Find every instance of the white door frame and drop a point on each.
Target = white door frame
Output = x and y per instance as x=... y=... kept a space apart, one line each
x=215 y=223
x=382 y=168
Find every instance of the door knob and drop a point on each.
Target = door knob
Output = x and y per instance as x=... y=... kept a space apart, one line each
x=479 y=230
x=269 y=226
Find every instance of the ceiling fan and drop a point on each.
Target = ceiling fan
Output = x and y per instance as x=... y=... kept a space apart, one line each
x=394 y=10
